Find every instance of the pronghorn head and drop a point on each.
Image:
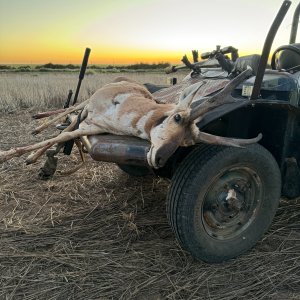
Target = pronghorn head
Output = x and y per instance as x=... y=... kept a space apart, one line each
x=178 y=127
x=173 y=129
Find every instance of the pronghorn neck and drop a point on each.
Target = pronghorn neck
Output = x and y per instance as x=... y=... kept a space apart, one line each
x=156 y=116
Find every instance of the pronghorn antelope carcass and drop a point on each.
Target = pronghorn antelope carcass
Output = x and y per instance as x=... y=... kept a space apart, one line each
x=125 y=107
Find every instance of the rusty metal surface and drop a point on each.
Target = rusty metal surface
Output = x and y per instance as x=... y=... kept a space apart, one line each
x=171 y=94
x=119 y=149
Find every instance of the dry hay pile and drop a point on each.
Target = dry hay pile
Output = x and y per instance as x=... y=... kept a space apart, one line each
x=101 y=234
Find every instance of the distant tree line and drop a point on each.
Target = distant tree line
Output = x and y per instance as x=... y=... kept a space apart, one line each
x=61 y=67
x=57 y=66
x=139 y=66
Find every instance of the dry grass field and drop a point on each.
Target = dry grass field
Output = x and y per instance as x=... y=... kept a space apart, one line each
x=48 y=90
x=101 y=234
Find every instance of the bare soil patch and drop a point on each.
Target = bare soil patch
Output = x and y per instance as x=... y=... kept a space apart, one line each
x=101 y=234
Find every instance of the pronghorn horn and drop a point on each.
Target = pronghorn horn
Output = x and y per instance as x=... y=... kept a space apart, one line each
x=222 y=97
x=187 y=95
x=219 y=140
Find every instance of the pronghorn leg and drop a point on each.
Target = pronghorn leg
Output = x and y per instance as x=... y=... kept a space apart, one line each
x=55 y=119
x=47 y=114
x=63 y=137
x=32 y=158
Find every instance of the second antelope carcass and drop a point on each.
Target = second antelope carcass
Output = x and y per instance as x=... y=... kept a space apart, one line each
x=125 y=107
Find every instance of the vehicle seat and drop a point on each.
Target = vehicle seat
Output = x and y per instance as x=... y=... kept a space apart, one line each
x=241 y=63
x=288 y=58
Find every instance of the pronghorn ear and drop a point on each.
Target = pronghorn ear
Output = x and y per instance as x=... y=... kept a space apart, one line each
x=187 y=95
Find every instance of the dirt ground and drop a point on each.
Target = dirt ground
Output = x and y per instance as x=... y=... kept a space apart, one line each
x=101 y=234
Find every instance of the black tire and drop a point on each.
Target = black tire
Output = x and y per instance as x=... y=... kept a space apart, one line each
x=209 y=220
x=137 y=171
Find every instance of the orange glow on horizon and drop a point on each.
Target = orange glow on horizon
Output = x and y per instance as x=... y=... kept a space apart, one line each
x=127 y=32
x=98 y=56
x=106 y=56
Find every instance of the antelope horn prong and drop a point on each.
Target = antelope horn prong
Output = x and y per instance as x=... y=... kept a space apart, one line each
x=219 y=140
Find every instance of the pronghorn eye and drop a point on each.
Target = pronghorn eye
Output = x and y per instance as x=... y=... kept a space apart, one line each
x=177 y=118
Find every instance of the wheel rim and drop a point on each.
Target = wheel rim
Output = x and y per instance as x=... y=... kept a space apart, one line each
x=231 y=202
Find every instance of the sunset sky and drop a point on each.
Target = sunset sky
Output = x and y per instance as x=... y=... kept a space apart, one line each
x=132 y=31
